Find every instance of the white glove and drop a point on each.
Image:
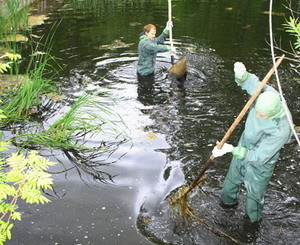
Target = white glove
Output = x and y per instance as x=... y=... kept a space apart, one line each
x=225 y=149
x=169 y=24
x=239 y=69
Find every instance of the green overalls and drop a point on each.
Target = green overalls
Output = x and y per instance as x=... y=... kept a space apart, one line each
x=263 y=138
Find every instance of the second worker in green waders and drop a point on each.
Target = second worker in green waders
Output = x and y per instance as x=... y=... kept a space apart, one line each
x=266 y=131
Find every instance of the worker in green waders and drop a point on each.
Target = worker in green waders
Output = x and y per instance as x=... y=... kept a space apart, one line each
x=266 y=131
x=149 y=46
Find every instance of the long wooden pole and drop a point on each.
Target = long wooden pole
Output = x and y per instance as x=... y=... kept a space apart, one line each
x=234 y=124
x=170 y=31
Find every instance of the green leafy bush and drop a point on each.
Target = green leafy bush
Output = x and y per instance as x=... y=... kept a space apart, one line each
x=21 y=177
x=293 y=27
x=6 y=65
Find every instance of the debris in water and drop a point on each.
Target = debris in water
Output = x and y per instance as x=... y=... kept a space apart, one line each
x=273 y=13
x=36 y=20
x=151 y=136
x=115 y=45
x=55 y=97
x=15 y=38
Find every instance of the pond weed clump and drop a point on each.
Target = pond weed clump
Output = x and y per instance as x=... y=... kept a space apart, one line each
x=19 y=105
x=13 y=18
x=86 y=117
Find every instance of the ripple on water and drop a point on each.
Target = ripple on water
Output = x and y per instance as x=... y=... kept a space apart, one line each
x=191 y=118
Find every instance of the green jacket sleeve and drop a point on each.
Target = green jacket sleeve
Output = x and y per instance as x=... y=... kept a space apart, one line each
x=162 y=37
x=252 y=83
x=154 y=48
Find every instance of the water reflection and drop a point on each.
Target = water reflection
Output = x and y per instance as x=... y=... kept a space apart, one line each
x=93 y=168
x=152 y=92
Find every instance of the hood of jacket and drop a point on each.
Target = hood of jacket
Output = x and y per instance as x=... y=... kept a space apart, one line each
x=144 y=37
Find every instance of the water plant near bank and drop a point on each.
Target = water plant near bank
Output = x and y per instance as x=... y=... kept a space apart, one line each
x=86 y=117
x=13 y=17
x=28 y=91
x=23 y=98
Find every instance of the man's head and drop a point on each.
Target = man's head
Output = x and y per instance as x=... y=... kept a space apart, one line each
x=150 y=31
x=268 y=104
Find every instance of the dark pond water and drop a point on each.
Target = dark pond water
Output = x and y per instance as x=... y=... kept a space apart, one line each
x=173 y=128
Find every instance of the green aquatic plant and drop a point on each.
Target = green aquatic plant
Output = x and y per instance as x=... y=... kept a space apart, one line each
x=7 y=64
x=25 y=96
x=20 y=104
x=99 y=5
x=26 y=92
x=13 y=25
x=13 y=17
x=86 y=117
x=41 y=63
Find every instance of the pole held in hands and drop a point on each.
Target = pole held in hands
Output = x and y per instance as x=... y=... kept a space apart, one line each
x=235 y=123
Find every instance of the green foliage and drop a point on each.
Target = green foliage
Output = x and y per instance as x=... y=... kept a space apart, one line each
x=18 y=106
x=26 y=96
x=41 y=58
x=21 y=177
x=293 y=27
x=4 y=67
x=12 y=57
x=86 y=116
x=11 y=18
